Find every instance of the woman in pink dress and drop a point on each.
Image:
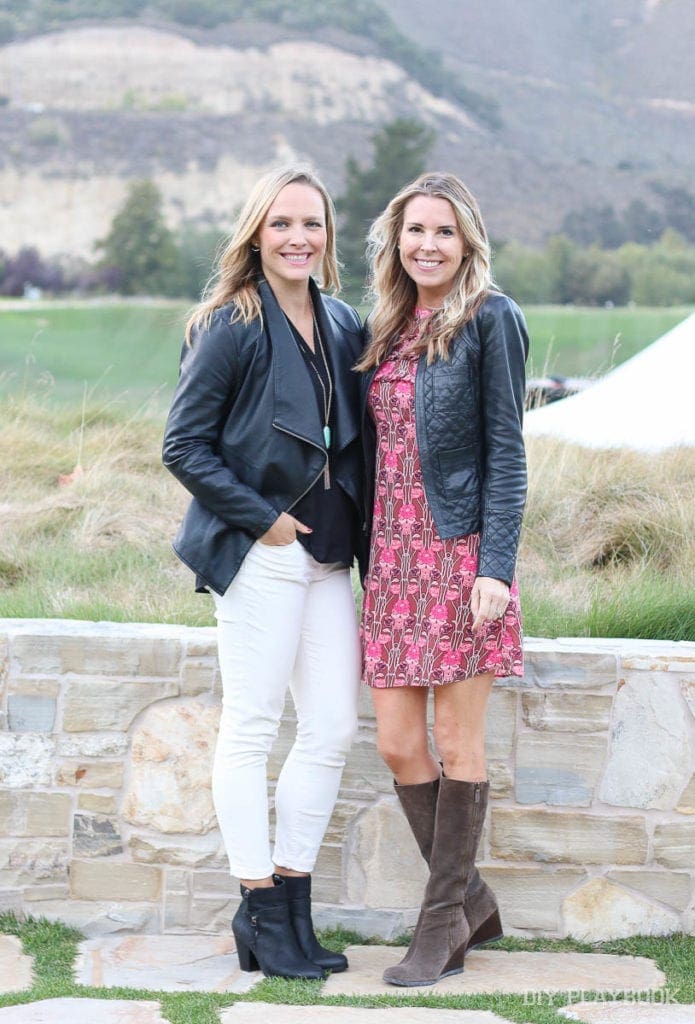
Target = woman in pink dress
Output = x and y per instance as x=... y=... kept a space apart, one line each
x=443 y=391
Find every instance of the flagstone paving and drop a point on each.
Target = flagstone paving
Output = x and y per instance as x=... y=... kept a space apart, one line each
x=208 y=963
x=84 y=1011
x=497 y=971
x=630 y=1013
x=164 y=963
x=15 y=966
x=267 y=1013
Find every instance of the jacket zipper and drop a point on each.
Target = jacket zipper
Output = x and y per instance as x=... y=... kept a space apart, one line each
x=319 y=475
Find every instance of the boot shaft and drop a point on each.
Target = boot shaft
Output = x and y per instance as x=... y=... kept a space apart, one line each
x=459 y=820
x=419 y=803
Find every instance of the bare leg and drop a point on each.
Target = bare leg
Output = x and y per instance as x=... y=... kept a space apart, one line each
x=402 y=741
x=459 y=727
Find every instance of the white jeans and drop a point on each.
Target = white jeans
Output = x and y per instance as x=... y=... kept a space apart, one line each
x=284 y=620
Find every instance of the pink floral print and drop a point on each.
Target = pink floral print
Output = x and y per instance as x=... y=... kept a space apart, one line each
x=416 y=618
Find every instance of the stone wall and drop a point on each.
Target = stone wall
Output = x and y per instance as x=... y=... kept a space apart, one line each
x=106 y=818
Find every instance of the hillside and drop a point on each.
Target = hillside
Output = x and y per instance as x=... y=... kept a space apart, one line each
x=541 y=107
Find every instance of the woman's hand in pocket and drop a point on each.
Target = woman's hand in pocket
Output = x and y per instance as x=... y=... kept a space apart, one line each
x=283 y=531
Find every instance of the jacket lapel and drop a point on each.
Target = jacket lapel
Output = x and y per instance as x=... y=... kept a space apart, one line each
x=296 y=411
x=345 y=380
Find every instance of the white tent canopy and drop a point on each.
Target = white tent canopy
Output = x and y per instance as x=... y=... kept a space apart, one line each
x=647 y=403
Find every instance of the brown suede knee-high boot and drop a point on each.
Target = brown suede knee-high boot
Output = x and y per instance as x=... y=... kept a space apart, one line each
x=419 y=803
x=442 y=932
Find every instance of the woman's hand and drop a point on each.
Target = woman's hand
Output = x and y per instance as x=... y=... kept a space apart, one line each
x=489 y=600
x=283 y=531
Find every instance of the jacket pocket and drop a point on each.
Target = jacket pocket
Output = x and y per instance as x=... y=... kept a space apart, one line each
x=459 y=470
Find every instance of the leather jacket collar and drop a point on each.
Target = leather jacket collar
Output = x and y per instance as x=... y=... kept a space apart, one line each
x=289 y=375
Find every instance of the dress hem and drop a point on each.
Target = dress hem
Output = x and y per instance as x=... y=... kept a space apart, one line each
x=515 y=673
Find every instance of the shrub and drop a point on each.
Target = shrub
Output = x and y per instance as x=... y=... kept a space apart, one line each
x=28 y=267
x=523 y=273
x=662 y=274
x=48 y=131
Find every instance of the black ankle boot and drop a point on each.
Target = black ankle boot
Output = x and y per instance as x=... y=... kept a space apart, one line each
x=265 y=938
x=299 y=901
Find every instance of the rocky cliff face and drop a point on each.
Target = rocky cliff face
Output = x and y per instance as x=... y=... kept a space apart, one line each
x=86 y=110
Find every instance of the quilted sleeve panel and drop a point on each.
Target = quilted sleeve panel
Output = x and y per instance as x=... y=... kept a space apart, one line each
x=503 y=351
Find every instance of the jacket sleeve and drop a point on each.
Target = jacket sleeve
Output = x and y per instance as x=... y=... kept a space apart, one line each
x=503 y=352
x=202 y=403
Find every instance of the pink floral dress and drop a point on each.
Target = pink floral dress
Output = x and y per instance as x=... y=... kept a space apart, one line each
x=416 y=618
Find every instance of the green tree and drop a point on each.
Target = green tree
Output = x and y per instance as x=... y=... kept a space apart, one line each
x=561 y=255
x=679 y=208
x=401 y=151
x=661 y=274
x=597 y=277
x=522 y=273
x=197 y=249
x=642 y=223
x=140 y=246
x=594 y=225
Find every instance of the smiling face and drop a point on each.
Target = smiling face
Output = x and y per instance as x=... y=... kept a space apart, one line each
x=292 y=237
x=432 y=247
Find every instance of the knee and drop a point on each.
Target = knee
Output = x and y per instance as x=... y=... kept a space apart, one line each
x=399 y=755
x=243 y=730
x=341 y=737
x=453 y=743
x=329 y=740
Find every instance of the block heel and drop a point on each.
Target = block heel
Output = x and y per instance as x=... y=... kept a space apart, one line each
x=265 y=938
x=247 y=961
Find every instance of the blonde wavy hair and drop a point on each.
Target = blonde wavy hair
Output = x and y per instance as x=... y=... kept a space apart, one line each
x=395 y=293
x=239 y=266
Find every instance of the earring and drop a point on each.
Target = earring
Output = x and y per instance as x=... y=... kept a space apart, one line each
x=255 y=248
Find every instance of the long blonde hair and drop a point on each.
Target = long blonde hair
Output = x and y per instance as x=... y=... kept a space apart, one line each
x=239 y=265
x=395 y=293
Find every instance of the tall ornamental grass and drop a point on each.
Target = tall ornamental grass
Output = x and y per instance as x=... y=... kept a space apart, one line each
x=608 y=547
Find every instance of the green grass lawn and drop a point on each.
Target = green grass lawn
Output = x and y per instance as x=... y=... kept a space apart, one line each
x=589 y=342
x=598 y=557
x=54 y=947
x=130 y=351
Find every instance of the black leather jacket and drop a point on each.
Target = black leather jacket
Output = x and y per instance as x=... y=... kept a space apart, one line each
x=244 y=434
x=468 y=418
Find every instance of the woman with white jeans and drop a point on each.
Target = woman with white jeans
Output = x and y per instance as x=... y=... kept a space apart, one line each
x=284 y=617
x=263 y=431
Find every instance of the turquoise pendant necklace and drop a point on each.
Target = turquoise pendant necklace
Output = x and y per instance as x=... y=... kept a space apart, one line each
x=327 y=395
x=327 y=400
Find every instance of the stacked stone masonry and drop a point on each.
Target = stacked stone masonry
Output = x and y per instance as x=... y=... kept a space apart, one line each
x=107 y=822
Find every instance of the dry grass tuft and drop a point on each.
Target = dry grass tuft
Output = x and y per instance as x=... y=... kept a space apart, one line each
x=608 y=546
x=594 y=509
x=98 y=547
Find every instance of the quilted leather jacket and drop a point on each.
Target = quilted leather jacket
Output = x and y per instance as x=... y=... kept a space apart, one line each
x=244 y=434
x=468 y=420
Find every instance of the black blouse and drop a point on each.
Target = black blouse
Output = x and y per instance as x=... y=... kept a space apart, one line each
x=329 y=511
